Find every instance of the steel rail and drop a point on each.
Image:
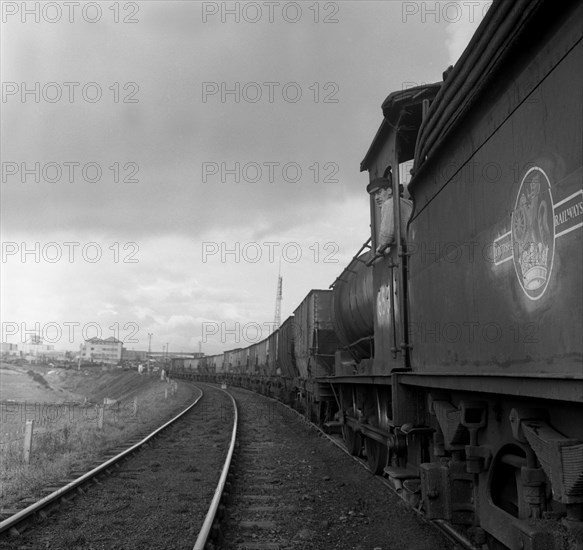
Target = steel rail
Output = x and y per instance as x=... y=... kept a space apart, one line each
x=442 y=526
x=23 y=514
x=211 y=514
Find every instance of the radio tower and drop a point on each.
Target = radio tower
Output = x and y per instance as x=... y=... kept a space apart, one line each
x=277 y=316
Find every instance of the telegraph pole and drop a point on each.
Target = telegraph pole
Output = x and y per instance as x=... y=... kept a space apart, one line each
x=150 y=334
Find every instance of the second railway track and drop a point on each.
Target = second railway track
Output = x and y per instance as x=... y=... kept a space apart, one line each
x=156 y=499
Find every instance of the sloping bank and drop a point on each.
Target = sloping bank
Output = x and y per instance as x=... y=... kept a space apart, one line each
x=68 y=437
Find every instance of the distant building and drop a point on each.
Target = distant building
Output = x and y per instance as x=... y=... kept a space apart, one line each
x=96 y=350
x=56 y=356
x=34 y=350
x=9 y=350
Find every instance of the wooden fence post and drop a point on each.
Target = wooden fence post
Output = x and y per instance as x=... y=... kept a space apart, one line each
x=100 y=415
x=28 y=440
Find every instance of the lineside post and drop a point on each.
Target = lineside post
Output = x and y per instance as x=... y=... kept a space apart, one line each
x=28 y=440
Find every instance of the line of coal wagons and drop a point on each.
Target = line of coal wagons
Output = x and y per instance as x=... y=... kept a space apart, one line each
x=283 y=365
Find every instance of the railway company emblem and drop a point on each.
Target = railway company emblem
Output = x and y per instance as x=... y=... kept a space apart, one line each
x=533 y=233
x=535 y=225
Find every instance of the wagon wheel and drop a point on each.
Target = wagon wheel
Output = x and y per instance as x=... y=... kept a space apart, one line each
x=376 y=455
x=352 y=440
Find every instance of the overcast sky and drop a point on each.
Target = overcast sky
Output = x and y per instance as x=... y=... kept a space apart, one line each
x=164 y=133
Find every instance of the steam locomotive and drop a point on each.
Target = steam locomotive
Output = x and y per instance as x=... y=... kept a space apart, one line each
x=454 y=363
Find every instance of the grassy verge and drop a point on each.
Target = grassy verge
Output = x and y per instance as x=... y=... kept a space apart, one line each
x=74 y=441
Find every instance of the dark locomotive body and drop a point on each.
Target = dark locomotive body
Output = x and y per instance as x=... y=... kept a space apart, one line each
x=511 y=356
x=480 y=307
x=454 y=363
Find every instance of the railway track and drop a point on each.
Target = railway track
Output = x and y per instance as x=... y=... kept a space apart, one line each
x=17 y=522
x=285 y=488
x=156 y=498
x=291 y=490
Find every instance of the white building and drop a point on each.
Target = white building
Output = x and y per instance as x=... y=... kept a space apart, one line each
x=96 y=350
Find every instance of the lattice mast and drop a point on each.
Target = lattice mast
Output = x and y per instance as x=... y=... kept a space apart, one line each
x=278 y=295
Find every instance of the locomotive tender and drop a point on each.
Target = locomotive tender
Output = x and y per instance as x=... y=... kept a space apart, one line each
x=455 y=362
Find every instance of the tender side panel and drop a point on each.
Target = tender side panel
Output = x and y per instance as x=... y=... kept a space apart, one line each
x=496 y=273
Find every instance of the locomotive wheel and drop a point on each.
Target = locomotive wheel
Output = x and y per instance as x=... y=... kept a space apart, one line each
x=376 y=455
x=352 y=440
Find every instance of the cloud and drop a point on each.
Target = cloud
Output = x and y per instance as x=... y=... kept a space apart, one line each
x=463 y=21
x=170 y=135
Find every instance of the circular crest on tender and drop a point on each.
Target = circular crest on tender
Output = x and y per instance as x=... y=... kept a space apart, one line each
x=533 y=233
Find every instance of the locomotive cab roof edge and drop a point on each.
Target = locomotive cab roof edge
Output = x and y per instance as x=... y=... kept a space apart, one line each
x=392 y=106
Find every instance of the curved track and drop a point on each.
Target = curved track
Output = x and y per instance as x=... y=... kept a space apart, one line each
x=211 y=517
x=15 y=523
x=453 y=536
x=283 y=482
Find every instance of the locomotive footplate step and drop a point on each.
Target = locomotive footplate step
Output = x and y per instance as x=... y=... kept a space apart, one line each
x=333 y=427
x=401 y=473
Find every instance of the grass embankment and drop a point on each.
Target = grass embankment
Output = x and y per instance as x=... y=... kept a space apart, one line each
x=67 y=437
